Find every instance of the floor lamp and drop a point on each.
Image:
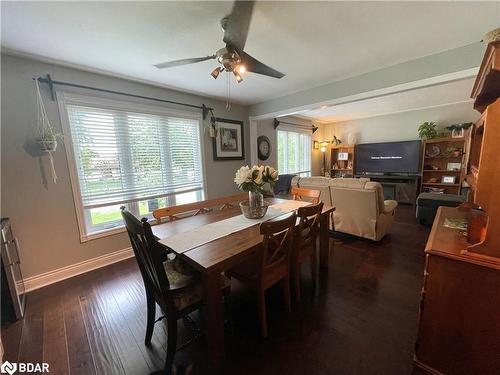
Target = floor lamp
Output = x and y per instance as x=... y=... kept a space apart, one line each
x=323 y=145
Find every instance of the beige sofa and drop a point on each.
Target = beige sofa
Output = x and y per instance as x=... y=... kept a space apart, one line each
x=360 y=208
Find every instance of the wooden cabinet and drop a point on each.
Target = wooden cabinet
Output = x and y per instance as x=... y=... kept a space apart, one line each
x=341 y=166
x=459 y=328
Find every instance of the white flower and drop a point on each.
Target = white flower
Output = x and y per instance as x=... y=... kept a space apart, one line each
x=244 y=174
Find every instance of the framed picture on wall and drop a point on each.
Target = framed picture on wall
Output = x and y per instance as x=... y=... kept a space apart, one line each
x=228 y=144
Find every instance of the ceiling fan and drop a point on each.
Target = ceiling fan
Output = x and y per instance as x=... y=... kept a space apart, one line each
x=232 y=58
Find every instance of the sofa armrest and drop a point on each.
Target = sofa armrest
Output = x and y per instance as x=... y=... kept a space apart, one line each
x=389 y=206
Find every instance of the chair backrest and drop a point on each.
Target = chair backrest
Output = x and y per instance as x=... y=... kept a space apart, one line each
x=149 y=255
x=307 y=230
x=357 y=196
x=192 y=209
x=299 y=193
x=277 y=241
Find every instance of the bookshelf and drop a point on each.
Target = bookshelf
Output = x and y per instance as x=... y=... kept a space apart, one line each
x=339 y=167
x=444 y=165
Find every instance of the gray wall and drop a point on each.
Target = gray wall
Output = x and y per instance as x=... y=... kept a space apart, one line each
x=43 y=214
x=266 y=127
x=400 y=126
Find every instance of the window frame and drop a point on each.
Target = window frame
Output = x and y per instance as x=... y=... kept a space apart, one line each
x=66 y=98
x=297 y=130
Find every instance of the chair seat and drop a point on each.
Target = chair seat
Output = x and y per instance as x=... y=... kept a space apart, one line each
x=193 y=294
x=248 y=272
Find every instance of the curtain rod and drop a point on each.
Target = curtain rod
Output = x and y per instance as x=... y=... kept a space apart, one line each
x=277 y=123
x=51 y=84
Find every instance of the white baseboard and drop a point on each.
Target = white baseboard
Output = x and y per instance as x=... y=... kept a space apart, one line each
x=47 y=278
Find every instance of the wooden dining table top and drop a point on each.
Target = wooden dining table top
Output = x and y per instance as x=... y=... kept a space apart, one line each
x=218 y=253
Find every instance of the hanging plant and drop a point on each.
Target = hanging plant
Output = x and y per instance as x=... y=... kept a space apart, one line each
x=46 y=135
x=212 y=127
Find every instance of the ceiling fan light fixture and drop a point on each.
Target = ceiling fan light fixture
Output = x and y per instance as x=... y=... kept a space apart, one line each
x=215 y=73
x=241 y=69
x=238 y=76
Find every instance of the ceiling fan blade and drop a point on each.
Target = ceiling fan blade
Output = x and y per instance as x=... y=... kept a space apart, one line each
x=255 y=66
x=170 y=64
x=236 y=24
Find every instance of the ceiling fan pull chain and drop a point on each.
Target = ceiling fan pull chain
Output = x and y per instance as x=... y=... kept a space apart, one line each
x=228 y=92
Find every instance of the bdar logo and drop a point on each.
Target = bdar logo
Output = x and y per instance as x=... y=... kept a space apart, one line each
x=8 y=368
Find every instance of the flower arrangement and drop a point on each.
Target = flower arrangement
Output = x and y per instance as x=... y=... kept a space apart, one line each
x=256 y=179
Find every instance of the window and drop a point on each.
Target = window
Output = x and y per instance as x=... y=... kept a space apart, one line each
x=294 y=152
x=126 y=154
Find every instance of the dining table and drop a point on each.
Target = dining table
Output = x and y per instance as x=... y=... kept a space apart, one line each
x=214 y=257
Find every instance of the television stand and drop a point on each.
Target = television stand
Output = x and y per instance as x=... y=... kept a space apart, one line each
x=402 y=189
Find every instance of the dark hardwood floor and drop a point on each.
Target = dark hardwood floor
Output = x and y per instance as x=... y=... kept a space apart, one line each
x=363 y=320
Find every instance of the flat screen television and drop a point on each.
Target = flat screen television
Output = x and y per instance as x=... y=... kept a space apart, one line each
x=388 y=158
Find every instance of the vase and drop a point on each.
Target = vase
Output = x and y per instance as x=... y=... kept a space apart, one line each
x=255 y=199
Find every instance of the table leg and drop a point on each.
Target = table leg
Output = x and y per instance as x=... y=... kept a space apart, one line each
x=324 y=241
x=214 y=318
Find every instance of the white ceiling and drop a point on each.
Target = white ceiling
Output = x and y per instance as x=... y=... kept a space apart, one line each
x=312 y=42
x=426 y=97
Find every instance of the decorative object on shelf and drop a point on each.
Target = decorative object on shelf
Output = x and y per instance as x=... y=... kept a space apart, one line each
x=349 y=164
x=263 y=147
x=351 y=139
x=46 y=135
x=315 y=145
x=453 y=166
x=435 y=190
x=432 y=180
x=427 y=130
x=453 y=152
x=343 y=156
x=430 y=167
x=491 y=36
x=448 y=179
x=228 y=142
x=336 y=141
x=458 y=130
x=255 y=181
x=432 y=151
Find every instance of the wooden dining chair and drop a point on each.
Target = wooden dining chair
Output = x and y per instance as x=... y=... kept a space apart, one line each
x=304 y=244
x=299 y=193
x=196 y=208
x=271 y=265
x=177 y=294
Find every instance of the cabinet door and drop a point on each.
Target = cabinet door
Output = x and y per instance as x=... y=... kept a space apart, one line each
x=459 y=331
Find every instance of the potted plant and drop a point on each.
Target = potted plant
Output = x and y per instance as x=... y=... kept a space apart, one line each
x=454 y=152
x=427 y=130
x=47 y=139
x=457 y=130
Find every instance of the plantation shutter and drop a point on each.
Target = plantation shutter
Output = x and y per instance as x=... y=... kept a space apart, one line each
x=124 y=156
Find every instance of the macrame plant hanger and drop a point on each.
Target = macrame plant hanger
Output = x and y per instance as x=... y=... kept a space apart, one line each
x=47 y=138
